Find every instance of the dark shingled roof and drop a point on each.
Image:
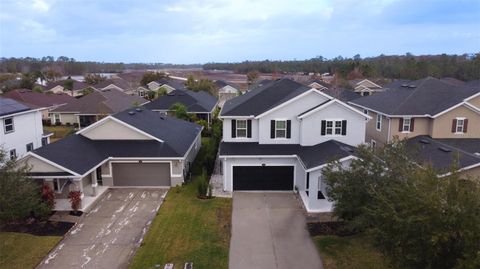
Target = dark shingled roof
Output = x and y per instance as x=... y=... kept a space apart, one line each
x=80 y=154
x=38 y=99
x=263 y=98
x=194 y=101
x=429 y=97
x=471 y=145
x=101 y=102
x=222 y=83
x=311 y=156
x=77 y=85
x=342 y=94
x=441 y=156
x=9 y=106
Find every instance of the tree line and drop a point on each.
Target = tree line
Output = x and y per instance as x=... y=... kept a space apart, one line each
x=65 y=66
x=464 y=67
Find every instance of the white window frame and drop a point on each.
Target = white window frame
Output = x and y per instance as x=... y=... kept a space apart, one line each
x=241 y=129
x=373 y=144
x=13 y=154
x=460 y=126
x=334 y=128
x=141 y=93
x=406 y=126
x=55 y=116
x=281 y=129
x=378 y=122
x=9 y=125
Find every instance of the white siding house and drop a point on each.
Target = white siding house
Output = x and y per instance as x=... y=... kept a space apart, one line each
x=285 y=141
x=21 y=128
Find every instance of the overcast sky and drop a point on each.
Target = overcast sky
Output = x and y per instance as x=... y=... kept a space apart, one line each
x=199 y=31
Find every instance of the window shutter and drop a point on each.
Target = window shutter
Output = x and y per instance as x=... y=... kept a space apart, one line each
x=344 y=127
x=289 y=127
x=400 y=125
x=272 y=129
x=324 y=126
x=454 y=125
x=412 y=124
x=249 y=128
x=234 y=128
x=465 y=125
x=308 y=181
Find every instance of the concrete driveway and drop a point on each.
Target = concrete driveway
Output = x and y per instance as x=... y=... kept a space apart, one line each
x=110 y=233
x=269 y=231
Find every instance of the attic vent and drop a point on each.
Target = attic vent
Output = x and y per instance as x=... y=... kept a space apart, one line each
x=405 y=85
x=131 y=113
x=138 y=110
x=412 y=86
x=424 y=141
x=444 y=149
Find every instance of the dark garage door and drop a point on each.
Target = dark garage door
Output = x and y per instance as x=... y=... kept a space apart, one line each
x=141 y=174
x=263 y=178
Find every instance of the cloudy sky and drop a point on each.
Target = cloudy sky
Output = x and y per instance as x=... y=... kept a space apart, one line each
x=199 y=31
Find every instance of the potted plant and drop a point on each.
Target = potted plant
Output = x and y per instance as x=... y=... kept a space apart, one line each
x=75 y=200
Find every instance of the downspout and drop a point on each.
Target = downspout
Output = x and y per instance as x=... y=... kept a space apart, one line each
x=389 y=128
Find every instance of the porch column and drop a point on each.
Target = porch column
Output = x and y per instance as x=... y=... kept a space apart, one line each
x=78 y=186
x=49 y=183
x=313 y=190
x=94 y=183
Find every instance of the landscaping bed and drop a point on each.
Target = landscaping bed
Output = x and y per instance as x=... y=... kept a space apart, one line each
x=44 y=228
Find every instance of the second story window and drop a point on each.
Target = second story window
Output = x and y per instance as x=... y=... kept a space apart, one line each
x=8 y=125
x=459 y=125
x=334 y=127
x=280 y=129
x=378 y=123
x=241 y=128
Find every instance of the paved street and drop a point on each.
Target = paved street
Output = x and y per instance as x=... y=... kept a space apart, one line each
x=109 y=234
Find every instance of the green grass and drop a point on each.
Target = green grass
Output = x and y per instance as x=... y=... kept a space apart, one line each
x=187 y=229
x=19 y=250
x=349 y=252
x=59 y=132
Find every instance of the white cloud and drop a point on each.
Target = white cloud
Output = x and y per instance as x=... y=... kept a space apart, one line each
x=40 y=6
x=175 y=9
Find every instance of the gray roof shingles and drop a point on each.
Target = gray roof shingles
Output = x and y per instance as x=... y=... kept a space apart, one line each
x=9 y=106
x=194 y=101
x=263 y=98
x=430 y=96
x=80 y=154
x=311 y=156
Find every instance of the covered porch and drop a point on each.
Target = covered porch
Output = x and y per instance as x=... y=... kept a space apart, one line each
x=314 y=195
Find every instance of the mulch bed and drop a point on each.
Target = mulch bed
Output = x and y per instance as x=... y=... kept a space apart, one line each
x=45 y=228
x=328 y=228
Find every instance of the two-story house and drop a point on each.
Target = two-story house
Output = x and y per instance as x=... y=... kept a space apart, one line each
x=132 y=148
x=365 y=87
x=427 y=107
x=279 y=137
x=21 y=128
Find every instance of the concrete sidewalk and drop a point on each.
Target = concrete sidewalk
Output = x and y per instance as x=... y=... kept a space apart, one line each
x=269 y=231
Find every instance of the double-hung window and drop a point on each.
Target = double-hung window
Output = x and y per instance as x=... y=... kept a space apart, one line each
x=406 y=124
x=460 y=125
x=242 y=128
x=281 y=129
x=334 y=127
x=378 y=123
x=8 y=125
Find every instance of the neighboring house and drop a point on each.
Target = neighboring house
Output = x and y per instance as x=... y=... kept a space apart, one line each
x=225 y=91
x=201 y=104
x=133 y=148
x=168 y=84
x=78 y=89
x=319 y=85
x=460 y=154
x=342 y=94
x=365 y=87
x=115 y=83
x=427 y=107
x=279 y=137
x=94 y=106
x=21 y=128
x=44 y=102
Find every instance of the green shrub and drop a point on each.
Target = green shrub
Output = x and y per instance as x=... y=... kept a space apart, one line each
x=202 y=185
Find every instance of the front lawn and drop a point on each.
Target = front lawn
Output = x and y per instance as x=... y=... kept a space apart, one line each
x=187 y=229
x=349 y=252
x=59 y=131
x=20 y=250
